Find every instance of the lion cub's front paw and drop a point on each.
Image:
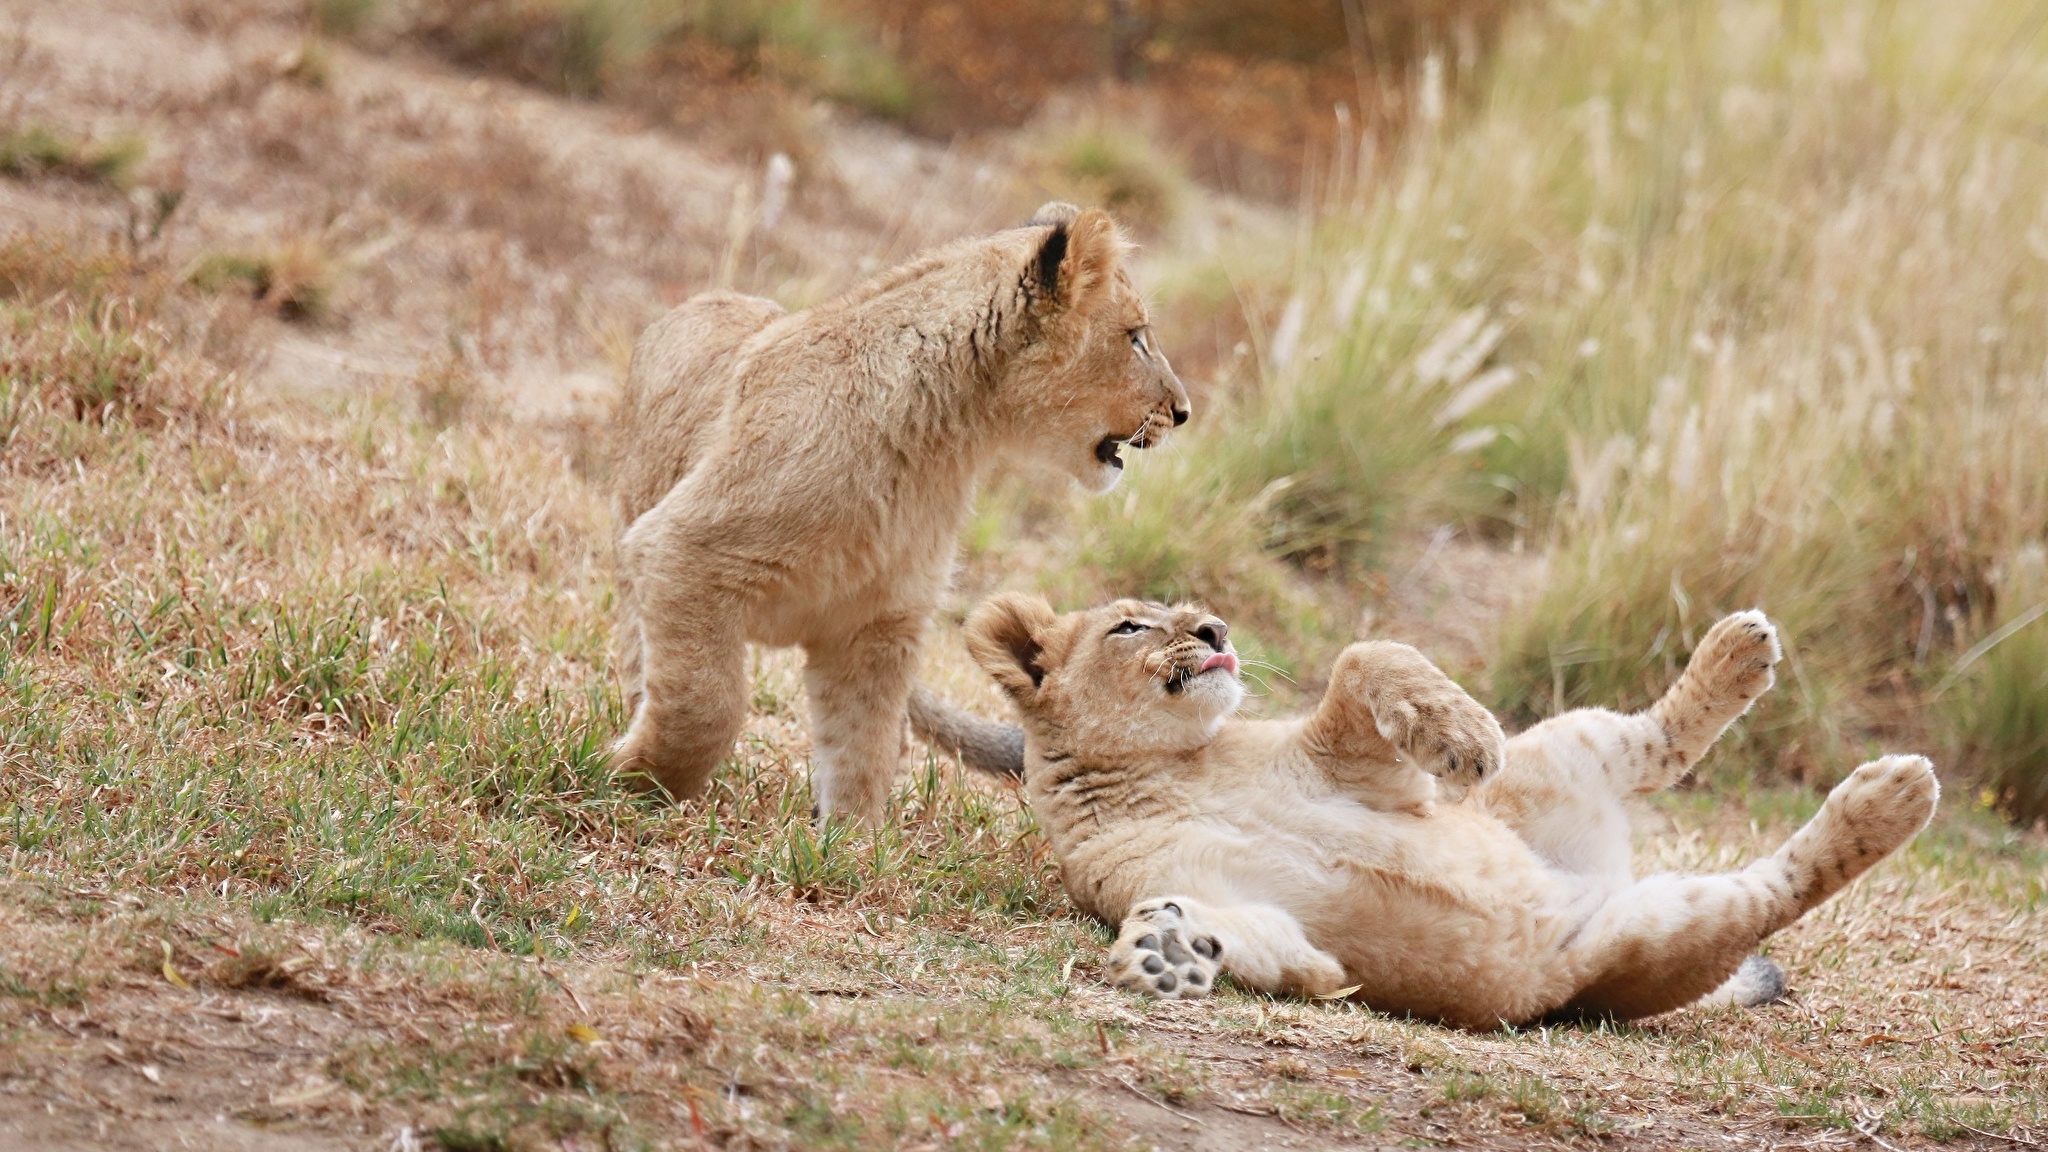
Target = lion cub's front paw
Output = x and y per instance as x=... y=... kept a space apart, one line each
x=1160 y=954
x=1444 y=732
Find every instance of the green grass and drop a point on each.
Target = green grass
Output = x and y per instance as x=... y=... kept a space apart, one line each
x=1994 y=701
x=35 y=152
x=296 y=280
x=1100 y=164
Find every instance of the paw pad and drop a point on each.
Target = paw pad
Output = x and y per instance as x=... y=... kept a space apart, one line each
x=1161 y=955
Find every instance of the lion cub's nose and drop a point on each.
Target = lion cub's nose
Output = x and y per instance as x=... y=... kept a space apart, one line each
x=1212 y=633
x=1180 y=415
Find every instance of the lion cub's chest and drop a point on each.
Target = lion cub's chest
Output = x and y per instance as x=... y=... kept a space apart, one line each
x=1261 y=817
x=1314 y=833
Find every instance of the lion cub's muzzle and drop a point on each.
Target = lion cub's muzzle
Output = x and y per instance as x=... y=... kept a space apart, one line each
x=1191 y=656
x=1152 y=432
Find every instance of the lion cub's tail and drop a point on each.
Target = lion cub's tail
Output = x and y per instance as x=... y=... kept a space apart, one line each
x=983 y=745
x=1759 y=981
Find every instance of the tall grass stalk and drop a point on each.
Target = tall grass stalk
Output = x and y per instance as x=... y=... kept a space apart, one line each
x=1801 y=255
x=1724 y=305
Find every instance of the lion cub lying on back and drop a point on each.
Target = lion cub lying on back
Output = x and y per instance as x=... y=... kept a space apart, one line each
x=1310 y=855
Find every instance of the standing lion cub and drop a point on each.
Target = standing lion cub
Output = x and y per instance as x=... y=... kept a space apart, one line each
x=1312 y=855
x=801 y=479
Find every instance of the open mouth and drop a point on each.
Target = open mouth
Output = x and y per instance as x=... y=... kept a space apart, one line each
x=1108 y=448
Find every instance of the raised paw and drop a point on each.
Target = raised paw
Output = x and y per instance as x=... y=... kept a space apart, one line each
x=1159 y=954
x=1443 y=731
x=1736 y=658
x=1880 y=806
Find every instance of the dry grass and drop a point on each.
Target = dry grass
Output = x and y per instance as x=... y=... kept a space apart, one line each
x=295 y=279
x=304 y=824
x=1095 y=161
x=209 y=691
x=90 y=344
x=301 y=710
x=1715 y=308
x=499 y=180
x=1847 y=397
x=665 y=58
x=1248 y=91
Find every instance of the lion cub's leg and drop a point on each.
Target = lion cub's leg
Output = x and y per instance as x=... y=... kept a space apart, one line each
x=1390 y=714
x=692 y=701
x=684 y=659
x=1733 y=665
x=626 y=646
x=1560 y=785
x=1666 y=941
x=1172 y=947
x=859 y=691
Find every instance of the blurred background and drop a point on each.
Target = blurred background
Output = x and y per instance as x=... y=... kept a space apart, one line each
x=1538 y=334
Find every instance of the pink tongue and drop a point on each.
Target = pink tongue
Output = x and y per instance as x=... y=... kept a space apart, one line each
x=1220 y=660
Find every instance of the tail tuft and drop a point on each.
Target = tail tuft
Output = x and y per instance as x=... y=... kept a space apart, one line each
x=983 y=745
x=1759 y=981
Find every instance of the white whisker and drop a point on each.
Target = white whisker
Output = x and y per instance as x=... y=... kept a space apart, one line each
x=1275 y=669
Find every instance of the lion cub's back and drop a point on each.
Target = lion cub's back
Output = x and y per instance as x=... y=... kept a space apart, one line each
x=675 y=392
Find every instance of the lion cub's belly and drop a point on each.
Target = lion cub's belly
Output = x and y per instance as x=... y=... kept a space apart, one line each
x=841 y=581
x=1448 y=915
x=826 y=606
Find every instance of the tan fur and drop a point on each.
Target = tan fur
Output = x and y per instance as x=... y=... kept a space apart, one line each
x=801 y=479
x=1307 y=856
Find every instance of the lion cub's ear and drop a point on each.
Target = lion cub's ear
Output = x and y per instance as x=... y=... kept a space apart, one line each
x=1007 y=637
x=1079 y=256
x=1055 y=212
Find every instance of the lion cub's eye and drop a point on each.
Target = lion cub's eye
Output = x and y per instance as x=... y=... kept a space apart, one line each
x=1138 y=341
x=1129 y=628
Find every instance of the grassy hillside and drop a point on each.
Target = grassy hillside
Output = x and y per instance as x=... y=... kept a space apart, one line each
x=301 y=705
x=305 y=841
x=1716 y=306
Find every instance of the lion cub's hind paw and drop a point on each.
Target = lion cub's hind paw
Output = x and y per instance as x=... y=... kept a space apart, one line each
x=1736 y=658
x=1883 y=803
x=1159 y=954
